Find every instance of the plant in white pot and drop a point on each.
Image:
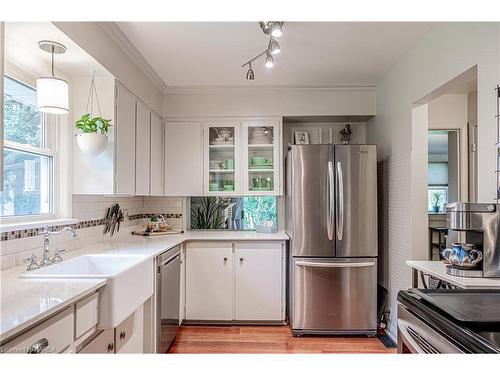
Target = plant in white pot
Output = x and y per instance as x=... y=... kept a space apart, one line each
x=93 y=136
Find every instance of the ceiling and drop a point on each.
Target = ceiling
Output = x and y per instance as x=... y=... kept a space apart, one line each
x=197 y=54
x=21 y=46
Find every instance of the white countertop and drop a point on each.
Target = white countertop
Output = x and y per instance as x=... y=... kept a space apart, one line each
x=24 y=302
x=438 y=270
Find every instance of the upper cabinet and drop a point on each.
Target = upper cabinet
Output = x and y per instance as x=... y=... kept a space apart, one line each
x=132 y=163
x=142 y=149
x=243 y=157
x=261 y=157
x=183 y=158
x=222 y=161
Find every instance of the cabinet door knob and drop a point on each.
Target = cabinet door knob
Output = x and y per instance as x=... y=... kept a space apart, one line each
x=38 y=346
x=122 y=335
x=241 y=259
x=225 y=259
x=111 y=347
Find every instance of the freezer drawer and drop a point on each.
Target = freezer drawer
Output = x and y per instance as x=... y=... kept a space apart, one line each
x=334 y=295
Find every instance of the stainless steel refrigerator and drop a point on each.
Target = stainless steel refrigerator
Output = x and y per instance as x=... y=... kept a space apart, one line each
x=331 y=210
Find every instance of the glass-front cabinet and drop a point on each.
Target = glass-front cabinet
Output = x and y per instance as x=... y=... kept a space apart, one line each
x=242 y=157
x=261 y=157
x=222 y=171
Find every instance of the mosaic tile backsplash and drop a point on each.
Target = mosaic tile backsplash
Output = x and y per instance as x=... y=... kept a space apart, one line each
x=15 y=246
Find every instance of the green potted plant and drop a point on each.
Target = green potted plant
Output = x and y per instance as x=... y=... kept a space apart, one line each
x=436 y=199
x=93 y=137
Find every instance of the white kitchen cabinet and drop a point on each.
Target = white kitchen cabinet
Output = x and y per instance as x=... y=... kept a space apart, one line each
x=243 y=281
x=183 y=158
x=209 y=281
x=86 y=314
x=156 y=168
x=258 y=281
x=261 y=157
x=103 y=343
x=129 y=335
x=142 y=149
x=222 y=158
x=125 y=141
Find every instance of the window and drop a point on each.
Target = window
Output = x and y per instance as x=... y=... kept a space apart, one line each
x=232 y=213
x=28 y=158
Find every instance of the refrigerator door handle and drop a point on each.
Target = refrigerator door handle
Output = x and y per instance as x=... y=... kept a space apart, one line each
x=335 y=265
x=340 y=205
x=331 y=197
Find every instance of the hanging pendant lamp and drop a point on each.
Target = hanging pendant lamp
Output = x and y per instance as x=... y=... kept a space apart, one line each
x=52 y=92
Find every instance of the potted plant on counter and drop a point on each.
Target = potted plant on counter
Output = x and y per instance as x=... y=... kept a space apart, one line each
x=436 y=199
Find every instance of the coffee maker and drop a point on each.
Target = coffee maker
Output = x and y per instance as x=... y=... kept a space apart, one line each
x=477 y=224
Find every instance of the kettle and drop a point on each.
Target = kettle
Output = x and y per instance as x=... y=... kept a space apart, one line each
x=462 y=255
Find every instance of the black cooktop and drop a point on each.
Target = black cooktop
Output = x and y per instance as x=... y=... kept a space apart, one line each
x=470 y=317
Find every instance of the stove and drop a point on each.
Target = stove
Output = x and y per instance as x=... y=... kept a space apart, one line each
x=449 y=321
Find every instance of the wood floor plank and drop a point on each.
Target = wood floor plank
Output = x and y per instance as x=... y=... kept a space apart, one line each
x=267 y=339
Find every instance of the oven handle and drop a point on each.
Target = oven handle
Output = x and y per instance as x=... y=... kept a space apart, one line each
x=408 y=340
x=335 y=265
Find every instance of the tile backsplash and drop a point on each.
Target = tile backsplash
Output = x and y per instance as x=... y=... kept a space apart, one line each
x=89 y=210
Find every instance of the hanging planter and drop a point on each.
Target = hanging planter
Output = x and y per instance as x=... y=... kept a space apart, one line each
x=92 y=138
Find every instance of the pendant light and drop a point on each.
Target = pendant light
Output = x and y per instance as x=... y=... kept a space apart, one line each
x=250 y=73
x=274 y=46
x=269 y=60
x=52 y=92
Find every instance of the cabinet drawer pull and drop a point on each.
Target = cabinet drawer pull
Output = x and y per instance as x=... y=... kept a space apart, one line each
x=122 y=335
x=38 y=346
x=111 y=347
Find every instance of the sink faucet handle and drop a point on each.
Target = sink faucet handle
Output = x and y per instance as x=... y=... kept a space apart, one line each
x=32 y=262
x=57 y=255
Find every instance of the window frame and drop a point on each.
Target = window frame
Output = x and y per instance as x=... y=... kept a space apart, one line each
x=49 y=149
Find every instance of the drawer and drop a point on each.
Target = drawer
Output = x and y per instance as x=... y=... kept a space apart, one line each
x=103 y=343
x=51 y=336
x=124 y=331
x=86 y=314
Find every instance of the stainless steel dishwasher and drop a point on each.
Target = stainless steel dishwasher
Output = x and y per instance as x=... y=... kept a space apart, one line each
x=168 y=281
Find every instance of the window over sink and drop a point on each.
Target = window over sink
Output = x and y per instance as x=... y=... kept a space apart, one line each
x=229 y=213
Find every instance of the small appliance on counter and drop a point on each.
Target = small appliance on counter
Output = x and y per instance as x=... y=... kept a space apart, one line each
x=473 y=241
x=433 y=321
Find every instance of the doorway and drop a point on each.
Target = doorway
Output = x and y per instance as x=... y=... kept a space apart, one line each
x=443 y=160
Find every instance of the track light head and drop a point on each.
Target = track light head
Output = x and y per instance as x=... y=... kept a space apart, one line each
x=274 y=28
x=274 y=46
x=269 y=60
x=250 y=73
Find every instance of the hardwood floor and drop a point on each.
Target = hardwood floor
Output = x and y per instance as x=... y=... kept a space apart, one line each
x=266 y=339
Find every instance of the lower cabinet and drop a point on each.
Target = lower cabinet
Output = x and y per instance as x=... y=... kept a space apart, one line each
x=209 y=281
x=241 y=281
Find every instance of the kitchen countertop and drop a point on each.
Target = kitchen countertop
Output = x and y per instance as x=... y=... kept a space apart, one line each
x=438 y=270
x=24 y=302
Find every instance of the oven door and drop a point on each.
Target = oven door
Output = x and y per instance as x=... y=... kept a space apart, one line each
x=334 y=296
x=416 y=337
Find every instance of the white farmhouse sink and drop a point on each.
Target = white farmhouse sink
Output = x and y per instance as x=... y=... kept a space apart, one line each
x=129 y=282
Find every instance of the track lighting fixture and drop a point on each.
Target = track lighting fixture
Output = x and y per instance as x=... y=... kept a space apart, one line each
x=269 y=60
x=250 y=73
x=274 y=46
x=274 y=29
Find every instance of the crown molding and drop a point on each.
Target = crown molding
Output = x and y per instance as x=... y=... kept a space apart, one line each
x=119 y=37
x=282 y=88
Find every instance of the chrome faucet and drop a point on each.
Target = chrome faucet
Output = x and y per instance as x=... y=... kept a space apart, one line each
x=46 y=259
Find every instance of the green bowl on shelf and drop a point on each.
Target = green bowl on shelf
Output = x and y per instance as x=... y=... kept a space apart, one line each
x=229 y=187
x=259 y=160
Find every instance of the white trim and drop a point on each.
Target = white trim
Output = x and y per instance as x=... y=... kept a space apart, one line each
x=119 y=37
x=210 y=89
x=10 y=227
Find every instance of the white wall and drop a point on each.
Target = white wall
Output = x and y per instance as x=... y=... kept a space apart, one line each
x=448 y=50
x=98 y=44
x=269 y=102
